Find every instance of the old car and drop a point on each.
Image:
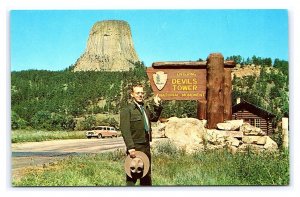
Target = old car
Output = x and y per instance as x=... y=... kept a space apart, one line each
x=102 y=131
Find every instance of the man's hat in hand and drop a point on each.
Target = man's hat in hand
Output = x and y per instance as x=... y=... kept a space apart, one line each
x=138 y=166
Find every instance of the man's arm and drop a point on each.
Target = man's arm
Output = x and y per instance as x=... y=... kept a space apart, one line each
x=125 y=128
x=154 y=116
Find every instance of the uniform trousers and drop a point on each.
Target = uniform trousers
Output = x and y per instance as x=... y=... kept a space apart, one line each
x=146 y=180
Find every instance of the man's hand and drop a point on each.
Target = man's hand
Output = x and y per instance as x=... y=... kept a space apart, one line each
x=157 y=100
x=132 y=153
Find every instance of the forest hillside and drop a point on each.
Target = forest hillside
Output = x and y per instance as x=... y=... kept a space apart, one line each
x=66 y=100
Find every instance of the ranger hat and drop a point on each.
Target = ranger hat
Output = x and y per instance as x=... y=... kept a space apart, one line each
x=138 y=166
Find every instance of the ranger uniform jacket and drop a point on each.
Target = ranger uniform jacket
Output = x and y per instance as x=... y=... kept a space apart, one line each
x=132 y=124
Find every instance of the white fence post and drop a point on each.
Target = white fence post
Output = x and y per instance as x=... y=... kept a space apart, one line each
x=285 y=133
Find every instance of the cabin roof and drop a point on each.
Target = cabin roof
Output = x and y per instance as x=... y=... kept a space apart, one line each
x=253 y=109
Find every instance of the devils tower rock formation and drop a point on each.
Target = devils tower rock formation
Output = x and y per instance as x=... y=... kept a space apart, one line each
x=109 y=48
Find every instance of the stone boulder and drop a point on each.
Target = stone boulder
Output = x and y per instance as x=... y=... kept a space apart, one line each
x=215 y=137
x=190 y=134
x=258 y=144
x=270 y=145
x=250 y=139
x=158 y=131
x=232 y=141
x=187 y=133
x=230 y=125
x=248 y=129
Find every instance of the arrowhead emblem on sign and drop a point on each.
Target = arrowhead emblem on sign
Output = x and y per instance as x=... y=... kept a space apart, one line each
x=160 y=79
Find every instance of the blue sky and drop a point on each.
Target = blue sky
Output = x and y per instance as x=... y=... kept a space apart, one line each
x=53 y=40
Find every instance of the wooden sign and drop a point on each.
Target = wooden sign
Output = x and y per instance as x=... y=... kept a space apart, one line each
x=179 y=83
x=208 y=82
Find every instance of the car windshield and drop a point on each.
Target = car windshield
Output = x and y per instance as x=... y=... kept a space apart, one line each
x=105 y=128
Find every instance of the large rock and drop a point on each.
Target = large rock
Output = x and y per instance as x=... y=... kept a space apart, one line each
x=258 y=144
x=109 y=48
x=185 y=132
x=215 y=137
x=230 y=125
x=231 y=141
x=250 y=139
x=248 y=129
x=190 y=134
x=262 y=140
x=158 y=131
x=270 y=145
x=218 y=137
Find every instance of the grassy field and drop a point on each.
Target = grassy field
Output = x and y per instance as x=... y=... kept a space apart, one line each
x=169 y=168
x=38 y=136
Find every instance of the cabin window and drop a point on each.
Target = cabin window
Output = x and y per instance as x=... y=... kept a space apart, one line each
x=255 y=122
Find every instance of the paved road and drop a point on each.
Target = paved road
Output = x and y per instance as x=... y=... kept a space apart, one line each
x=38 y=153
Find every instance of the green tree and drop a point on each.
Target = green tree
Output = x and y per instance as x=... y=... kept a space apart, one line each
x=269 y=90
x=17 y=122
x=42 y=120
x=282 y=65
x=236 y=58
x=89 y=122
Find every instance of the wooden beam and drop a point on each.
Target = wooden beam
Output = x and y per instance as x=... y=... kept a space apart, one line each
x=201 y=110
x=229 y=64
x=227 y=94
x=215 y=91
x=197 y=64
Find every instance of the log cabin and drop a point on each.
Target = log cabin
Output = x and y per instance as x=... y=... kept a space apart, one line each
x=254 y=115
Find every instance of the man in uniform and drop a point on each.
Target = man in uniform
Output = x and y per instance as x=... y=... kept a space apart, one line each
x=136 y=128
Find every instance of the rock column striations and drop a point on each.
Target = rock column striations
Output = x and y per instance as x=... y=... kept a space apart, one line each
x=109 y=48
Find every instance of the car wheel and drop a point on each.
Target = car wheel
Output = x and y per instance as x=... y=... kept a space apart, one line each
x=100 y=136
x=89 y=137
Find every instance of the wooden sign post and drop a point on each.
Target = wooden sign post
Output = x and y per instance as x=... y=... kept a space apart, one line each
x=215 y=90
x=208 y=82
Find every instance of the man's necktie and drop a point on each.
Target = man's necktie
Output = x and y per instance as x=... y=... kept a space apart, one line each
x=146 y=122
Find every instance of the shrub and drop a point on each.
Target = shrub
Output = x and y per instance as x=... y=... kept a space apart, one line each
x=17 y=122
x=166 y=147
x=89 y=122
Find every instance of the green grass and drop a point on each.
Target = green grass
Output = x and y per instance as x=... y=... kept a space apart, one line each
x=38 y=135
x=222 y=168
x=85 y=170
x=168 y=169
